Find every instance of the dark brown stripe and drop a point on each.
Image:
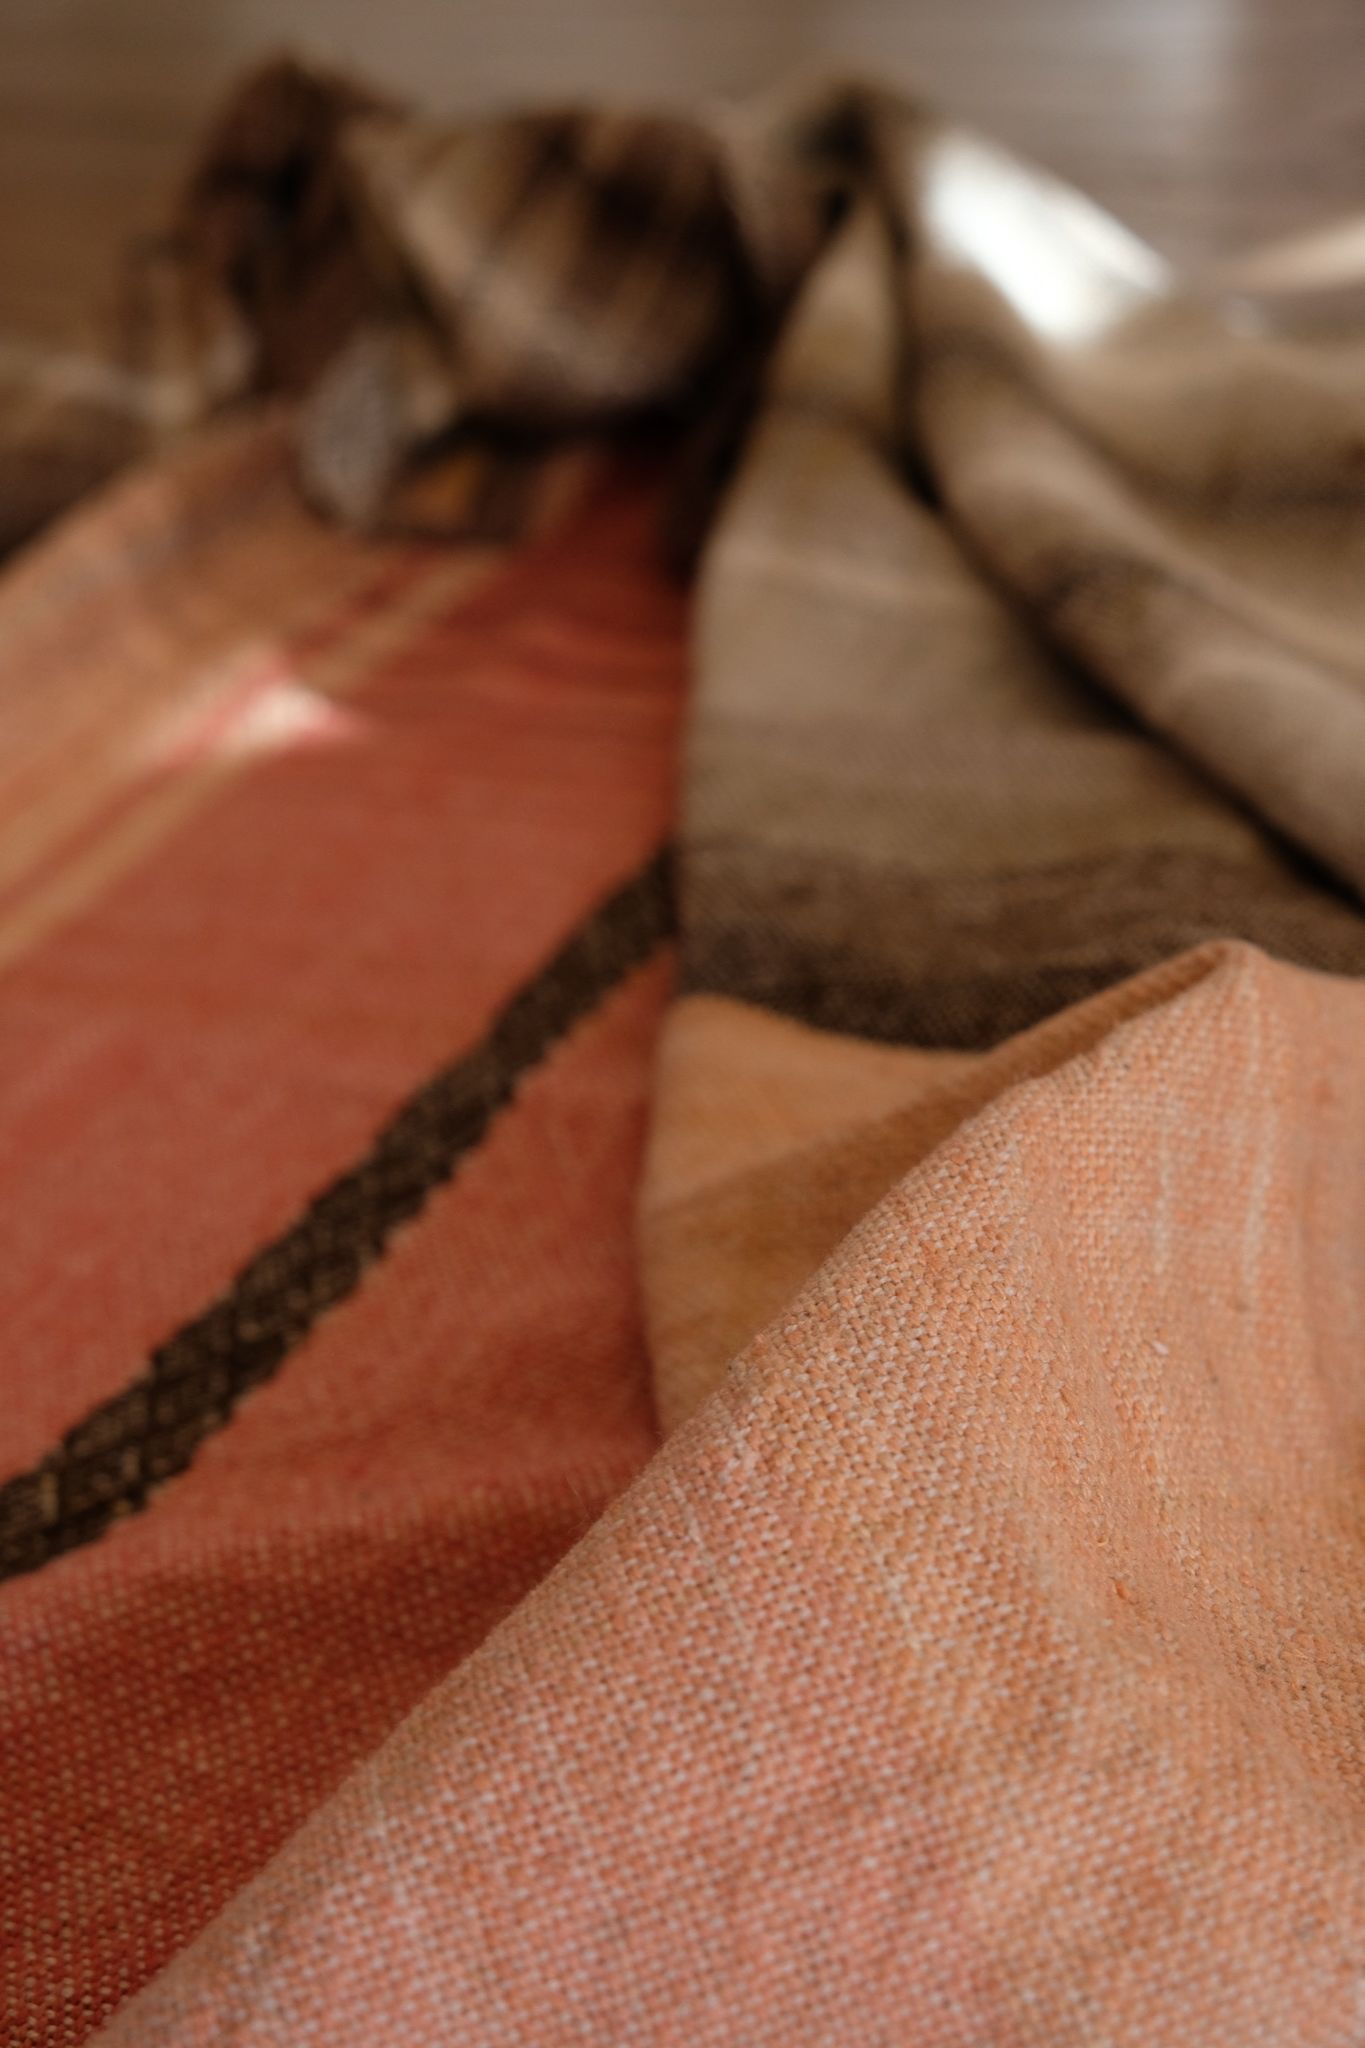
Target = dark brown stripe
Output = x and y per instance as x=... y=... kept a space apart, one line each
x=109 y=1464
x=1103 y=595
x=962 y=961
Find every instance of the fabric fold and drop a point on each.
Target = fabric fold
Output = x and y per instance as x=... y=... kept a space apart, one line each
x=982 y=1663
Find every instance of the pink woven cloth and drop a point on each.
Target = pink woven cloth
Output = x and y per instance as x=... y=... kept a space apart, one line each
x=982 y=1665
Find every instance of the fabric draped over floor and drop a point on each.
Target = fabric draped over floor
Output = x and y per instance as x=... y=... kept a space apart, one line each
x=912 y=1292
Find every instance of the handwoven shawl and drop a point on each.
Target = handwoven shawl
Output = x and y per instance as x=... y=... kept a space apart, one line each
x=683 y=1108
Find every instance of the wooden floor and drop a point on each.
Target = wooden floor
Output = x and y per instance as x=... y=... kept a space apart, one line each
x=1206 y=123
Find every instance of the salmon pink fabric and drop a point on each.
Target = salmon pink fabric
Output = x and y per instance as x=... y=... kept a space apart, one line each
x=981 y=1664
x=364 y=813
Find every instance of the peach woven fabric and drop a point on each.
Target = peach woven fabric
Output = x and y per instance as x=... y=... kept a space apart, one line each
x=981 y=1665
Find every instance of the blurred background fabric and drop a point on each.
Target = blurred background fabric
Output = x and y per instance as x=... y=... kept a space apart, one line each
x=1206 y=124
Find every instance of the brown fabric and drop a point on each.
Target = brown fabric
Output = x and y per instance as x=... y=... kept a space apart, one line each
x=1027 y=638
x=493 y=285
x=1113 y=480
x=267 y=223
x=548 y=273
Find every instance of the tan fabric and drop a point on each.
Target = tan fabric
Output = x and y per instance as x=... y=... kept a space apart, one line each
x=919 y=807
x=770 y=1141
x=1029 y=633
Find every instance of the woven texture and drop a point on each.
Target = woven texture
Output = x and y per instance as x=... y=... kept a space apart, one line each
x=983 y=1663
x=333 y=939
x=817 y=1505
